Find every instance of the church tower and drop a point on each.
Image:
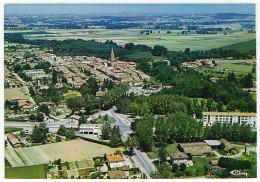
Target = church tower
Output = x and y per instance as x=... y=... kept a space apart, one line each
x=112 y=55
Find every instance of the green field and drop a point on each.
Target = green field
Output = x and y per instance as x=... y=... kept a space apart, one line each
x=172 y=41
x=28 y=172
x=242 y=46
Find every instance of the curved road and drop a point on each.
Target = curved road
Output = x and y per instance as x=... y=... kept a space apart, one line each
x=146 y=165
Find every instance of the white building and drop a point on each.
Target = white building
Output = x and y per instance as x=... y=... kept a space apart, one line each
x=36 y=73
x=94 y=129
x=115 y=161
x=229 y=117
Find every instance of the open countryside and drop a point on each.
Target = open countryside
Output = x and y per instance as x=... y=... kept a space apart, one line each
x=172 y=41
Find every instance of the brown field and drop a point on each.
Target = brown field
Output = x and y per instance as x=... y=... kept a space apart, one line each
x=75 y=150
x=9 y=92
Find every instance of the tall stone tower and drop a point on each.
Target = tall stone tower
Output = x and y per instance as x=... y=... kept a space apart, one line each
x=112 y=55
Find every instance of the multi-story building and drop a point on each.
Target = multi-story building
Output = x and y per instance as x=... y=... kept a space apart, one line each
x=229 y=117
x=36 y=73
x=94 y=129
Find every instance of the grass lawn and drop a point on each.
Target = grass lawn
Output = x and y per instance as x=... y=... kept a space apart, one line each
x=17 y=119
x=27 y=172
x=252 y=157
x=72 y=93
x=10 y=130
x=102 y=119
x=199 y=164
x=170 y=149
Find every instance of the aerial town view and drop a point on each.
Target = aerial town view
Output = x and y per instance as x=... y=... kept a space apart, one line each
x=130 y=91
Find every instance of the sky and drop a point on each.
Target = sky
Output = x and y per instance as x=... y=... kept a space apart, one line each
x=177 y=9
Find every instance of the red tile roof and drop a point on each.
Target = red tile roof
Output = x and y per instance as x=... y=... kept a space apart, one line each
x=115 y=158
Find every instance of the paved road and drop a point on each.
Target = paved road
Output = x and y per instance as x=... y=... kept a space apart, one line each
x=123 y=126
x=146 y=165
x=53 y=126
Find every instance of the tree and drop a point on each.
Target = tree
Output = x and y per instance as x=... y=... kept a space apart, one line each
x=54 y=77
x=91 y=102
x=62 y=130
x=39 y=134
x=32 y=118
x=26 y=67
x=82 y=119
x=144 y=135
x=115 y=137
x=182 y=167
x=175 y=168
x=118 y=152
x=90 y=87
x=39 y=117
x=27 y=55
x=70 y=134
x=161 y=137
x=105 y=131
x=222 y=146
x=254 y=69
x=159 y=50
x=130 y=143
x=31 y=91
x=58 y=139
x=44 y=109
x=75 y=103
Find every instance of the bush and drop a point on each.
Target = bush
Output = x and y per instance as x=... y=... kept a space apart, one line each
x=179 y=173
x=232 y=164
x=188 y=173
x=58 y=139
x=182 y=167
x=175 y=168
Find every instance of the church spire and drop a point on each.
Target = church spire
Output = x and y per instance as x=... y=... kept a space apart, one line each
x=112 y=55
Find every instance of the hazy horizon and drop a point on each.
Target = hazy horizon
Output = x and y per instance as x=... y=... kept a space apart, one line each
x=112 y=9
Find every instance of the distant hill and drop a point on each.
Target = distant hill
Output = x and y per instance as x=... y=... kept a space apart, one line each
x=242 y=47
x=232 y=16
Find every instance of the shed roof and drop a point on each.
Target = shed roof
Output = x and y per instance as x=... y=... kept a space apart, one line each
x=196 y=148
x=179 y=155
x=212 y=142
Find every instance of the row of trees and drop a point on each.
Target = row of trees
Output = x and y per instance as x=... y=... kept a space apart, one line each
x=231 y=132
